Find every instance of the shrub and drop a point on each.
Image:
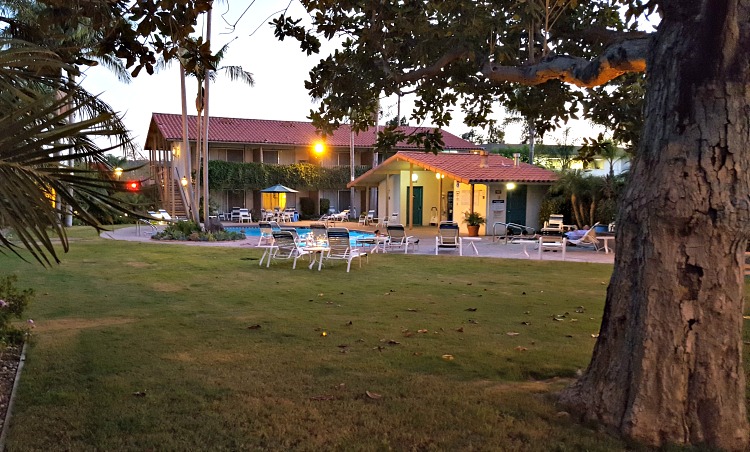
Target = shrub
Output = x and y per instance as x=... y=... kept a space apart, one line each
x=189 y=231
x=12 y=304
x=307 y=207
x=325 y=204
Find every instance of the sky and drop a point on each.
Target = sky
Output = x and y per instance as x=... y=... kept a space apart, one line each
x=279 y=69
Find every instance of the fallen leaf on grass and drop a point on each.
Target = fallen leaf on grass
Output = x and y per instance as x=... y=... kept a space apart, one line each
x=595 y=335
x=448 y=357
x=746 y=317
x=342 y=345
x=412 y=310
x=322 y=397
x=407 y=333
x=140 y=394
x=475 y=322
x=254 y=327
x=470 y=309
x=512 y=333
x=392 y=342
x=460 y=330
x=521 y=349
x=320 y=294
x=373 y=395
x=378 y=348
x=525 y=323
x=422 y=331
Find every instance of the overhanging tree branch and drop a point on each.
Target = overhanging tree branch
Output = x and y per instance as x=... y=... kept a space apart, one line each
x=455 y=54
x=617 y=59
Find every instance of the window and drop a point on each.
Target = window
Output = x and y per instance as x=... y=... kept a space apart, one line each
x=271 y=157
x=235 y=155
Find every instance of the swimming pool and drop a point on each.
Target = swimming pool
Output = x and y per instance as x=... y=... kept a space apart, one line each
x=254 y=231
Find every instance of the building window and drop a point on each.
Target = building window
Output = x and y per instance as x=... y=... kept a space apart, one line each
x=235 y=155
x=271 y=157
x=343 y=158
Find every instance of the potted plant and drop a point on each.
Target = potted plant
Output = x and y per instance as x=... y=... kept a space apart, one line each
x=473 y=220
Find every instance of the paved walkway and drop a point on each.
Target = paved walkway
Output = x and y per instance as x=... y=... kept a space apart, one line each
x=426 y=235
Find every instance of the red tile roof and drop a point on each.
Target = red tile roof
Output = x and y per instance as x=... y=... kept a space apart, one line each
x=260 y=131
x=463 y=167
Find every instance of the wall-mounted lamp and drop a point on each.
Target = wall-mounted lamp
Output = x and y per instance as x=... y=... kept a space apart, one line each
x=439 y=176
x=510 y=185
x=184 y=181
x=319 y=148
x=414 y=177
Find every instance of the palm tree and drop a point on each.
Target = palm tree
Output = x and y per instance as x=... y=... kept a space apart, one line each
x=36 y=144
x=205 y=70
x=583 y=192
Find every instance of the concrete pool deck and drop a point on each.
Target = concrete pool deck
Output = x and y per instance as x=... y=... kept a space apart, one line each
x=426 y=235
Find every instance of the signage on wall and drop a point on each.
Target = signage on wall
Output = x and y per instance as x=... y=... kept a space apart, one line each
x=498 y=205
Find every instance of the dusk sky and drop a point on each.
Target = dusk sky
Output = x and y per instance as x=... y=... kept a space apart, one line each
x=279 y=68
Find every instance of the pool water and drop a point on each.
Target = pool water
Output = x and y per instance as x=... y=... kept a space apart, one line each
x=254 y=231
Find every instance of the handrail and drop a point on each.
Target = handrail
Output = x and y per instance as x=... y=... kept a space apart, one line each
x=512 y=230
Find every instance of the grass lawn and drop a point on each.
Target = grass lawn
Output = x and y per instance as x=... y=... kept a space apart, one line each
x=159 y=347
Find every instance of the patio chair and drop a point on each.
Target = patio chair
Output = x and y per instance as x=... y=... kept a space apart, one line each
x=165 y=215
x=245 y=215
x=371 y=217
x=363 y=219
x=285 y=247
x=447 y=238
x=295 y=234
x=554 y=225
x=341 y=216
x=318 y=230
x=553 y=243
x=397 y=238
x=588 y=239
x=340 y=248
x=266 y=233
x=235 y=215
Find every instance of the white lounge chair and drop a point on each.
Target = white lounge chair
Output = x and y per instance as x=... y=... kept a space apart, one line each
x=397 y=238
x=285 y=247
x=340 y=248
x=447 y=238
x=245 y=216
x=588 y=239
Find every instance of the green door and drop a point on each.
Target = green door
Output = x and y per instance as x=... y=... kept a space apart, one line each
x=417 y=218
x=515 y=208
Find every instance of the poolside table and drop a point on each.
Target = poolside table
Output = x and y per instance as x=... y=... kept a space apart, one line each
x=316 y=254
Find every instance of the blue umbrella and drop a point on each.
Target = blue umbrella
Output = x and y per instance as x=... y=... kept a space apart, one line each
x=278 y=188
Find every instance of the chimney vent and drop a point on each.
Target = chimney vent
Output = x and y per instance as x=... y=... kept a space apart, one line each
x=516 y=159
x=483 y=159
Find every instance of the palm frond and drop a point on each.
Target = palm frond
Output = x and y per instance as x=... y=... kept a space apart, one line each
x=37 y=144
x=237 y=73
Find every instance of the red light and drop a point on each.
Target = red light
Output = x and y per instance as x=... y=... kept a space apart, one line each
x=133 y=185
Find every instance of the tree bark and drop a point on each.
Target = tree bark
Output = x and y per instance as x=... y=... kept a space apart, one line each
x=667 y=367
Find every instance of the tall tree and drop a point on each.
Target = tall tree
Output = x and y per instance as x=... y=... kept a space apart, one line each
x=38 y=94
x=667 y=366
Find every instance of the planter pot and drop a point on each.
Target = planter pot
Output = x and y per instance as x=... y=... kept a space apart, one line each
x=473 y=230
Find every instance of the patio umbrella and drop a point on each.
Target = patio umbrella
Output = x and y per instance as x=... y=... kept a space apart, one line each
x=278 y=188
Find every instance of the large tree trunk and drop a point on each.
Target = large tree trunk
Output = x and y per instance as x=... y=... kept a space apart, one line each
x=667 y=367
